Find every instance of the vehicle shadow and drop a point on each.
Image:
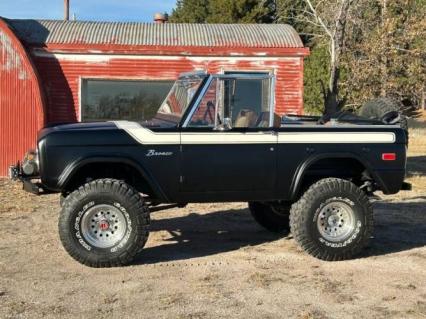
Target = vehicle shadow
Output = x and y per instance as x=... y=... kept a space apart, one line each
x=399 y=226
x=416 y=166
x=198 y=235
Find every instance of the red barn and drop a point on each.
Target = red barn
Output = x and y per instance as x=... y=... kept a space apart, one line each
x=68 y=71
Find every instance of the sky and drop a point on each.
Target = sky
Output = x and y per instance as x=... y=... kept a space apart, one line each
x=99 y=10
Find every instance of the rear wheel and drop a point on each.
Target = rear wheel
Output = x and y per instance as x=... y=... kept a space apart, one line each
x=273 y=217
x=104 y=223
x=333 y=220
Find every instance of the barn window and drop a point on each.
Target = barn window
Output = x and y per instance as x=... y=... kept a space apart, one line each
x=103 y=100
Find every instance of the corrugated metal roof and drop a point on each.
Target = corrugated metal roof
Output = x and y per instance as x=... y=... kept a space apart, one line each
x=44 y=32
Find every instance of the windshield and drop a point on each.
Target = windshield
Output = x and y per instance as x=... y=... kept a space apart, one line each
x=179 y=98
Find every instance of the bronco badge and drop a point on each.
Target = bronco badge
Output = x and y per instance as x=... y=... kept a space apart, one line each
x=155 y=153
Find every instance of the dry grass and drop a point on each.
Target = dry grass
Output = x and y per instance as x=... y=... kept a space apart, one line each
x=416 y=165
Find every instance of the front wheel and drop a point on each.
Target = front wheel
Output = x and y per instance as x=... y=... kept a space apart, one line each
x=104 y=223
x=333 y=220
x=273 y=217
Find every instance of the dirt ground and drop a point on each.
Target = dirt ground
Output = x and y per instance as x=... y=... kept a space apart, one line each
x=214 y=261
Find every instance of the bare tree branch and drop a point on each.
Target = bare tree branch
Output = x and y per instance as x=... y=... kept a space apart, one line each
x=318 y=18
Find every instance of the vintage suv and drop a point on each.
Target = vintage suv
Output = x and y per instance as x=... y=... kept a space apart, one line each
x=215 y=139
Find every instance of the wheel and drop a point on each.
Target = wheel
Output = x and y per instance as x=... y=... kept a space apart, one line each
x=273 y=217
x=104 y=223
x=333 y=220
x=383 y=107
x=378 y=107
x=62 y=198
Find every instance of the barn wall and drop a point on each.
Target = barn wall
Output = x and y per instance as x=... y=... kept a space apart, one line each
x=21 y=106
x=61 y=74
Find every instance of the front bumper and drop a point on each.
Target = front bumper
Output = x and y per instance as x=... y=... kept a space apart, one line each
x=15 y=173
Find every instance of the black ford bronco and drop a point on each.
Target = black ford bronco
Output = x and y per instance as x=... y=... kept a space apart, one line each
x=212 y=141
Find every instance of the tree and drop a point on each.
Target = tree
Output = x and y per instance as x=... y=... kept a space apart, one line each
x=387 y=56
x=223 y=11
x=240 y=11
x=317 y=67
x=190 y=11
x=330 y=19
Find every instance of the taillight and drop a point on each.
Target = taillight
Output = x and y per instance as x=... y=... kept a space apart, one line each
x=388 y=156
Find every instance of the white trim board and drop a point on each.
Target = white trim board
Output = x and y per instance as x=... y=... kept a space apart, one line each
x=103 y=58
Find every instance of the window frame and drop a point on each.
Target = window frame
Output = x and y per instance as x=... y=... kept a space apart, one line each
x=82 y=79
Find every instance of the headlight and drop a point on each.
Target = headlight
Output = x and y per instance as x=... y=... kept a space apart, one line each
x=30 y=163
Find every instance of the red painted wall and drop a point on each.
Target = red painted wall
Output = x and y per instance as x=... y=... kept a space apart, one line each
x=61 y=76
x=21 y=100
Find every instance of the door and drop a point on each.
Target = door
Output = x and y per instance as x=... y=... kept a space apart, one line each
x=228 y=147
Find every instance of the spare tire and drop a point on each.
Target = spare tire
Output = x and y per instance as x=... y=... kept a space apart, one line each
x=385 y=109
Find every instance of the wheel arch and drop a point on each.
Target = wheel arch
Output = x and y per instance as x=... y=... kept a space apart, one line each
x=303 y=169
x=72 y=171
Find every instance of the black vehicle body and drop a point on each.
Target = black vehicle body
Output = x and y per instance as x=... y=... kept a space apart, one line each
x=183 y=164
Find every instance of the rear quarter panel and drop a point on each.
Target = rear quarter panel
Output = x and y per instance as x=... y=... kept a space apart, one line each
x=294 y=158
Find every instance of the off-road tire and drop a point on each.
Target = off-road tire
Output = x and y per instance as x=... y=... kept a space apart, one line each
x=62 y=198
x=377 y=108
x=112 y=193
x=306 y=221
x=269 y=219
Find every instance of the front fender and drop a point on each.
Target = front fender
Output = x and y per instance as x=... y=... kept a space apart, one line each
x=72 y=169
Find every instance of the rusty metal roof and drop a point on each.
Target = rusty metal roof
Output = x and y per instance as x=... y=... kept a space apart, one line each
x=45 y=32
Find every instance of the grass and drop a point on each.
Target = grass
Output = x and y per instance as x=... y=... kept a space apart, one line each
x=416 y=166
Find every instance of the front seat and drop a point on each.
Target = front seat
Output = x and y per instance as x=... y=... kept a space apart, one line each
x=263 y=120
x=246 y=118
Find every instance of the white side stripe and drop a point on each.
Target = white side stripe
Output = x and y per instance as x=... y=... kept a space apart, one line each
x=229 y=138
x=337 y=137
x=148 y=137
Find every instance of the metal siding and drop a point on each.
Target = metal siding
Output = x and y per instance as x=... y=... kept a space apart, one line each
x=61 y=78
x=44 y=32
x=21 y=114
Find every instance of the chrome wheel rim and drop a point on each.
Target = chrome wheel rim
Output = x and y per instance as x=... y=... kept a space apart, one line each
x=336 y=221
x=103 y=226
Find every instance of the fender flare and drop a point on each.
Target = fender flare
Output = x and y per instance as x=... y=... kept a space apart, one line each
x=70 y=171
x=302 y=168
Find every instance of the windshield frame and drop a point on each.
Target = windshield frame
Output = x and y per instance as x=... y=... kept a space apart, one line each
x=202 y=76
